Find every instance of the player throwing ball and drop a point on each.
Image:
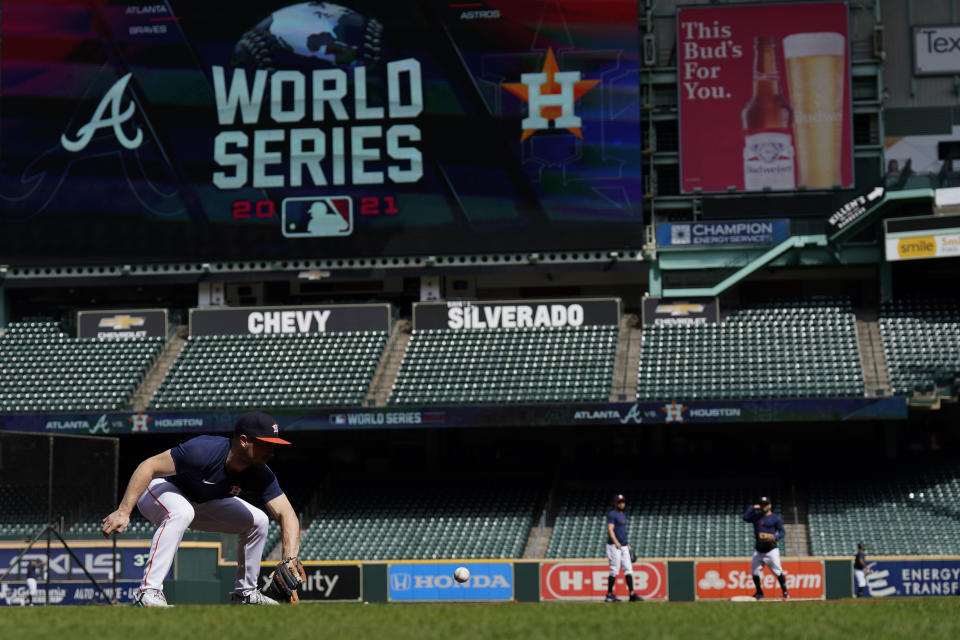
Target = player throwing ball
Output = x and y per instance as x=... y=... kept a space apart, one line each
x=201 y=484
x=767 y=530
x=618 y=549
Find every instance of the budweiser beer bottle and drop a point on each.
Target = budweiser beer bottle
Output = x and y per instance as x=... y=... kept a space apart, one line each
x=767 y=125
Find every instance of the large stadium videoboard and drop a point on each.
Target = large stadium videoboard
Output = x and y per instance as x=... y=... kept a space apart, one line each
x=223 y=130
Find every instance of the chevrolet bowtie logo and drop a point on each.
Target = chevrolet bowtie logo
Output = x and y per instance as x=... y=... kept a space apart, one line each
x=121 y=322
x=679 y=309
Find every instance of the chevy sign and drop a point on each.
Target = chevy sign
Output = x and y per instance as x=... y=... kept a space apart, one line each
x=433 y=582
x=722 y=232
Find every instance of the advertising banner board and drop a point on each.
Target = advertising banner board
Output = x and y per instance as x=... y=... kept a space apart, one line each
x=724 y=579
x=290 y=320
x=433 y=581
x=119 y=324
x=588 y=581
x=764 y=95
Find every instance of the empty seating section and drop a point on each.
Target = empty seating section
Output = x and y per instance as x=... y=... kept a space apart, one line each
x=280 y=370
x=804 y=348
x=421 y=525
x=43 y=369
x=881 y=512
x=921 y=341
x=507 y=365
x=662 y=522
x=23 y=510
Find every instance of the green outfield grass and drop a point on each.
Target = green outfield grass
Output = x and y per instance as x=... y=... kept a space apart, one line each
x=917 y=619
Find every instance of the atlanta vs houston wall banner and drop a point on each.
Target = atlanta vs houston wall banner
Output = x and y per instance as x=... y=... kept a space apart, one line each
x=764 y=93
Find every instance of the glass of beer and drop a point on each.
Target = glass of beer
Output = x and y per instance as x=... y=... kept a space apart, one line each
x=815 y=79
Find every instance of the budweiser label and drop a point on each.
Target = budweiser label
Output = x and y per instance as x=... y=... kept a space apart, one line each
x=768 y=161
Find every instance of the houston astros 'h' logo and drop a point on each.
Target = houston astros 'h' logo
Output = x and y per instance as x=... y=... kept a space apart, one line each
x=550 y=94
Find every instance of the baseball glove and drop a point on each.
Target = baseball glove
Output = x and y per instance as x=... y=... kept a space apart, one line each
x=285 y=579
x=766 y=541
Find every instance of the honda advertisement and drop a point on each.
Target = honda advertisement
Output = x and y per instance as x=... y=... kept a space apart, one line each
x=434 y=582
x=273 y=130
x=724 y=579
x=934 y=577
x=588 y=581
x=764 y=95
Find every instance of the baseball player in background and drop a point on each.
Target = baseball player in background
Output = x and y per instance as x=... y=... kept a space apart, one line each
x=32 y=568
x=201 y=484
x=767 y=531
x=860 y=568
x=618 y=549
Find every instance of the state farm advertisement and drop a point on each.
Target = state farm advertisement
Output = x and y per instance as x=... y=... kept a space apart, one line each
x=588 y=581
x=764 y=94
x=724 y=579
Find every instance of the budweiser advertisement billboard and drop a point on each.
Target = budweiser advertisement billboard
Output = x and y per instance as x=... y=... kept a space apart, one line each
x=764 y=94
x=724 y=579
x=588 y=581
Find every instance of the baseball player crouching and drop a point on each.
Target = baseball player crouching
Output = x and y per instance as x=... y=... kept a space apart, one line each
x=767 y=530
x=200 y=484
x=618 y=549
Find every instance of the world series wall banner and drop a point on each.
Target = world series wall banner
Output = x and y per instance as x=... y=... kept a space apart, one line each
x=220 y=130
x=764 y=95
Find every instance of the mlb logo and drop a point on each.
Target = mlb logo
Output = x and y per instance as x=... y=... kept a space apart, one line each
x=338 y=418
x=680 y=234
x=317 y=217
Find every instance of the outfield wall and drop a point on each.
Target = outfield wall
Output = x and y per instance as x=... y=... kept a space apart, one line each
x=201 y=576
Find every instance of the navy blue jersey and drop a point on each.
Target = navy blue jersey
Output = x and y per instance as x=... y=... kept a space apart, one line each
x=771 y=523
x=31 y=570
x=619 y=522
x=202 y=474
x=860 y=560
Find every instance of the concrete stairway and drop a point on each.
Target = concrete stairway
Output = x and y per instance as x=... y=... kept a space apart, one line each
x=795 y=524
x=624 y=387
x=873 y=360
x=386 y=372
x=158 y=371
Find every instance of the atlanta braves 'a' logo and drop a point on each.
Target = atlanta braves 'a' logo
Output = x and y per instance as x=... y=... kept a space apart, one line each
x=115 y=120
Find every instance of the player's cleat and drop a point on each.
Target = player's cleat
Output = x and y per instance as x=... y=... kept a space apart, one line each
x=611 y=598
x=150 y=598
x=635 y=598
x=786 y=596
x=254 y=597
x=758 y=595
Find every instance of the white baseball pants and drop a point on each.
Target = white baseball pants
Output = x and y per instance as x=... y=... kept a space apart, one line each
x=861 y=578
x=32 y=587
x=164 y=505
x=619 y=558
x=771 y=559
